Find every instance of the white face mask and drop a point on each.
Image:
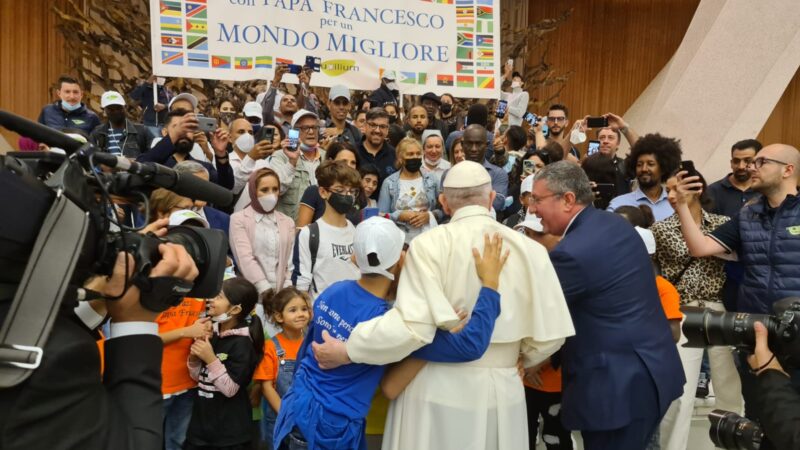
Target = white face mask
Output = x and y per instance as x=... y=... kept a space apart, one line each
x=577 y=136
x=516 y=85
x=433 y=163
x=268 y=202
x=221 y=318
x=245 y=142
x=70 y=106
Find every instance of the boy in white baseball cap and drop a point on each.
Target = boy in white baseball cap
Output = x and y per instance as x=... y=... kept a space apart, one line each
x=343 y=395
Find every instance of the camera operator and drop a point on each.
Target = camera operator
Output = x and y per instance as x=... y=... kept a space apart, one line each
x=777 y=401
x=67 y=402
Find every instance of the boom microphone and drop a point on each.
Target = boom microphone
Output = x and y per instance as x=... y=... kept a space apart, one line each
x=38 y=132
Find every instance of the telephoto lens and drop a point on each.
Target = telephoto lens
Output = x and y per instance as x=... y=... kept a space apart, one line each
x=732 y=431
x=704 y=327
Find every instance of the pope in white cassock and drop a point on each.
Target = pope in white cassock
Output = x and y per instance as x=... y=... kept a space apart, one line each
x=476 y=405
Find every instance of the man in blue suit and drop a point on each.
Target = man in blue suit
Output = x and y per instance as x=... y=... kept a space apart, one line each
x=621 y=370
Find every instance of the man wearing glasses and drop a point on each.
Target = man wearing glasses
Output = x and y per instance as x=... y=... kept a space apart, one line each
x=764 y=236
x=296 y=166
x=557 y=122
x=374 y=149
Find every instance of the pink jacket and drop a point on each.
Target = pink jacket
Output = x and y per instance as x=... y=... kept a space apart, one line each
x=242 y=236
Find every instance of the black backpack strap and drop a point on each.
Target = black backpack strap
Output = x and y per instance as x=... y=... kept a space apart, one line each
x=313 y=248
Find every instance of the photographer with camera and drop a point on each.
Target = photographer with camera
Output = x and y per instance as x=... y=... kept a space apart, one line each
x=65 y=403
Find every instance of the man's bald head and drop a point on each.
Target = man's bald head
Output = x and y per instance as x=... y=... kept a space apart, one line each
x=474 y=143
x=239 y=127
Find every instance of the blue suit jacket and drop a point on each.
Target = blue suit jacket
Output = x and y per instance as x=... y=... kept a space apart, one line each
x=622 y=352
x=217 y=219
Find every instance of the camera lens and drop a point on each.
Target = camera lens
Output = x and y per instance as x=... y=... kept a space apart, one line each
x=704 y=327
x=732 y=431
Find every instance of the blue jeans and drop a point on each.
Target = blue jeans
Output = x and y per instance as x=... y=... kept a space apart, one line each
x=177 y=413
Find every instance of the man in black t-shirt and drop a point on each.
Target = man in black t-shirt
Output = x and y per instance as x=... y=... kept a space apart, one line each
x=374 y=149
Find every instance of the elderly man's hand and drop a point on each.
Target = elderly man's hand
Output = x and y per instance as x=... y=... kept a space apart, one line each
x=332 y=353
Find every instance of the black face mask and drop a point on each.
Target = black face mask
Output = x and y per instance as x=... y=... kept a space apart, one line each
x=413 y=165
x=341 y=203
x=116 y=117
x=227 y=117
x=392 y=119
x=446 y=108
x=183 y=146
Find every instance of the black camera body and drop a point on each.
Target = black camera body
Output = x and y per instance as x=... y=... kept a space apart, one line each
x=732 y=431
x=705 y=327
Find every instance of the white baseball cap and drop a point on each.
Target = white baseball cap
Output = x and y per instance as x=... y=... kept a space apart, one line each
x=339 y=91
x=185 y=96
x=527 y=185
x=300 y=114
x=111 y=98
x=466 y=174
x=377 y=245
x=186 y=215
x=252 y=109
x=532 y=221
x=390 y=75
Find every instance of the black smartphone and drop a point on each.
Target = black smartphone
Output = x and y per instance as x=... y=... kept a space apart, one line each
x=502 y=105
x=313 y=63
x=606 y=190
x=594 y=147
x=688 y=166
x=295 y=68
x=528 y=167
x=531 y=118
x=597 y=122
x=208 y=124
x=265 y=134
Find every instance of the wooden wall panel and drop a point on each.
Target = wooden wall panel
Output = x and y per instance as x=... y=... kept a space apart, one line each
x=616 y=47
x=32 y=56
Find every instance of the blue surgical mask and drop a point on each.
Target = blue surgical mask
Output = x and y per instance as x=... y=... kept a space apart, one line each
x=69 y=106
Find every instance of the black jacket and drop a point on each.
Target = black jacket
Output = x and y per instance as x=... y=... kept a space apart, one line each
x=66 y=404
x=135 y=142
x=382 y=96
x=778 y=406
x=54 y=116
x=143 y=93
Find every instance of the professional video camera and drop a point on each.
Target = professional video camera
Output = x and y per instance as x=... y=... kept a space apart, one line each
x=56 y=232
x=732 y=431
x=704 y=327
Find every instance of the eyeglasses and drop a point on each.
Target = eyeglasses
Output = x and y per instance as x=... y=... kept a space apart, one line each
x=374 y=126
x=342 y=191
x=557 y=119
x=758 y=162
x=308 y=128
x=539 y=200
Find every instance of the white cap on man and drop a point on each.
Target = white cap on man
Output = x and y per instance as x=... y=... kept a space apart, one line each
x=300 y=114
x=252 y=109
x=527 y=185
x=531 y=222
x=339 y=91
x=466 y=174
x=111 y=98
x=187 y=217
x=377 y=246
x=185 y=96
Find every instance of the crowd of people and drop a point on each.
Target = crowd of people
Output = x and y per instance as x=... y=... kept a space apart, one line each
x=542 y=278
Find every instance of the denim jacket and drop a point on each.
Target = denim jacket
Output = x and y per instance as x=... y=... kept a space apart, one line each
x=390 y=190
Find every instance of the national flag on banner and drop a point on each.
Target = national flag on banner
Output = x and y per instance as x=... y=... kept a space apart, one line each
x=172 y=40
x=466 y=23
x=484 y=72
x=444 y=80
x=465 y=81
x=170 y=23
x=196 y=26
x=196 y=42
x=196 y=10
x=408 y=77
x=483 y=2
x=283 y=61
x=463 y=52
x=484 y=40
x=198 y=60
x=263 y=62
x=484 y=64
x=244 y=62
x=484 y=12
x=485 y=26
x=486 y=82
x=462 y=11
x=465 y=2
x=221 y=62
x=170 y=8
x=172 y=58
x=486 y=55
x=464 y=39
x=464 y=67
x=466 y=28
x=422 y=78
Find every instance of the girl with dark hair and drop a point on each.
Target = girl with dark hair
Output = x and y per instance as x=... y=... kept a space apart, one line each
x=223 y=366
x=289 y=309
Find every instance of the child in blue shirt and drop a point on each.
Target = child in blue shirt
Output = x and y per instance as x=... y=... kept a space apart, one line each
x=325 y=409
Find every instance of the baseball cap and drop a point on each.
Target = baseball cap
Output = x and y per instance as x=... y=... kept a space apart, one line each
x=252 y=109
x=111 y=98
x=185 y=96
x=300 y=114
x=390 y=75
x=339 y=91
x=527 y=185
x=532 y=222
x=377 y=245
x=187 y=215
x=430 y=96
x=466 y=174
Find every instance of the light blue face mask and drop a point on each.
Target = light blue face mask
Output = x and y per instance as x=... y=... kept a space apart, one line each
x=70 y=107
